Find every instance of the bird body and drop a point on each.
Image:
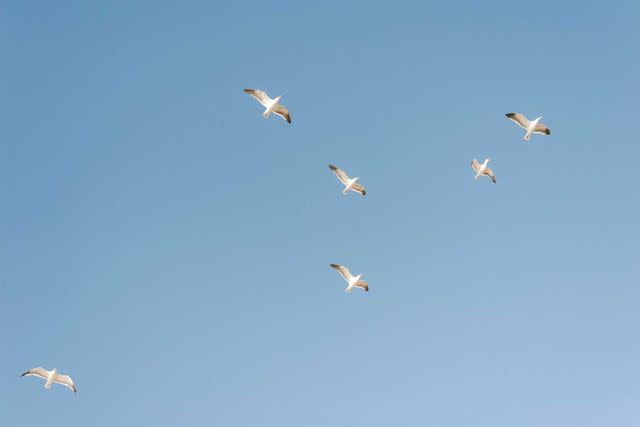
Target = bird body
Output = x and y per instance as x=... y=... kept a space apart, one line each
x=51 y=377
x=530 y=127
x=349 y=185
x=271 y=106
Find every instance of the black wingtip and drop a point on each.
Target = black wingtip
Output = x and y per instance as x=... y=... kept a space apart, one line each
x=364 y=192
x=510 y=114
x=548 y=132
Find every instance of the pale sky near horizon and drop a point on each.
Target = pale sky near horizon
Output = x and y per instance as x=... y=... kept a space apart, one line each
x=169 y=248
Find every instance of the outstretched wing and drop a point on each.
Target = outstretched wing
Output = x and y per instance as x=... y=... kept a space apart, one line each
x=344 y=271
x=282 y=111
x=363 y=285
x=342 y=176
x=521 y=120
x=65 y=380
x=358 y=188
x=490 y=174
x=36 y=372
x=475 y=165
x=262 y=97
x=542 y=128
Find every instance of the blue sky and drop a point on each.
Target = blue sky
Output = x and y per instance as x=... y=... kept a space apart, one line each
x=169 y=248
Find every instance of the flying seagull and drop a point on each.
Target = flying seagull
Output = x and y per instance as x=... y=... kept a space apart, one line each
x=271 y=105
x=353 y=281
x=350 y=183
x=51 y=377
x=531 y=127
x=482 y=169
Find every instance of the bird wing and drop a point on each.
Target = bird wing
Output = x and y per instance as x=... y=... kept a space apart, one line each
x=475 y=165
x=542 y=128
x=344 y=271
x=262 y=97
x=362 y=284
x=521 y=120
x=66 y=381
x=490 y=174
x=36 y=372
x=342 y=176
x=358 y=188
x=282 y=111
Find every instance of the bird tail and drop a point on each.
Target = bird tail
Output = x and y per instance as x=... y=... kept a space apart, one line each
x=346 y=189
x=266 y=114
x=527 y=136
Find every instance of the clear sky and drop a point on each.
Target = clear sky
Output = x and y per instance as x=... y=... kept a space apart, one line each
x=169 y=248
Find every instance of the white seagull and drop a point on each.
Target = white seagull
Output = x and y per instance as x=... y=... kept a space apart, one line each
x=271 y=105
x=349 y=183
x=51 y=377
x=353 y=281
x=531 y=127
x=482 y=169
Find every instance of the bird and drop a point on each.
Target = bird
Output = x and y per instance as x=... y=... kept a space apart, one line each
x=349 y=183
x=482 y=169
x=51 y=377
x=271 y=105
x=353 y=281
x=530 y=126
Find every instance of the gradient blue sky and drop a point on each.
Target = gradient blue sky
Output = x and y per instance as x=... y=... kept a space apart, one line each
x=169 y=248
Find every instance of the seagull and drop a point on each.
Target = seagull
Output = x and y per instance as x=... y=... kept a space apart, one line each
x=531 y=127
x=271 y=105
x=353 y=281
x=350 y=183
x=51 y=377
x=482 y=169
